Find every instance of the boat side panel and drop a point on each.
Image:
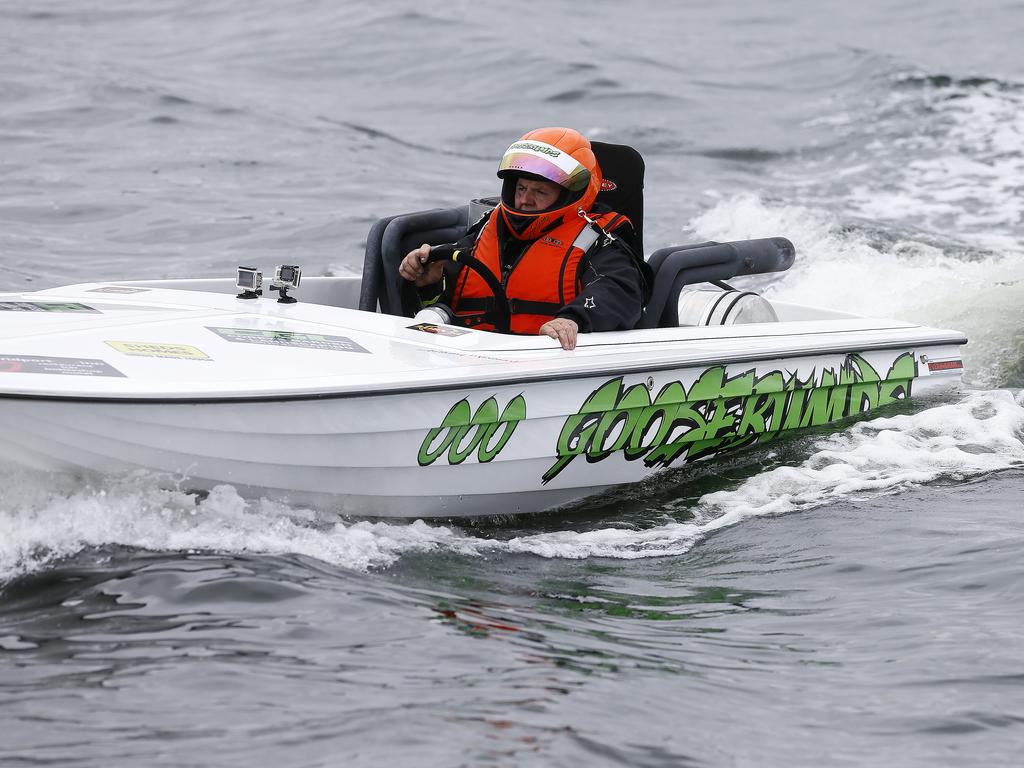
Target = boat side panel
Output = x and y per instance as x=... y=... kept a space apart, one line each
x=500 y=450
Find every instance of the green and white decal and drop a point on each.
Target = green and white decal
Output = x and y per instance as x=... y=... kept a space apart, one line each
x=720 y=412
x=464 y=431
x=683 y=421
x=288 y=339
x=45 y=306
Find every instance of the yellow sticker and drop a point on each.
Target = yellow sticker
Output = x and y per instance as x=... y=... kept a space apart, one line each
x=156 y=349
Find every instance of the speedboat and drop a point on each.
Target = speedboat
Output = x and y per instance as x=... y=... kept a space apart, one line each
x=324 y=391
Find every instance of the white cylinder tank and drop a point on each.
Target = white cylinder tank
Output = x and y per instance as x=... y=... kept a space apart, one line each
x=714 y=306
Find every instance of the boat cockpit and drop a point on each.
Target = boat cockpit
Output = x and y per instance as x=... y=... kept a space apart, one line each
x=686 y=282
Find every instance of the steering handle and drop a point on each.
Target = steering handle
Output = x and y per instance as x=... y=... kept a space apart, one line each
x=448 y=252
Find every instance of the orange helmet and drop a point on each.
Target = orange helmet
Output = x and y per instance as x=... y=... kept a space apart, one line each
x=560 y=155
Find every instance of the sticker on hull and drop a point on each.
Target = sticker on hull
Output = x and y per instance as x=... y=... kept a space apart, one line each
x=438 y=330
x=45 y=306
x=58 y=366
x=119 y=289
x=155 y=349
x=288 y=339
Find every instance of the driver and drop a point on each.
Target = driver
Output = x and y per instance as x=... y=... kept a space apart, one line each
x=561 y=275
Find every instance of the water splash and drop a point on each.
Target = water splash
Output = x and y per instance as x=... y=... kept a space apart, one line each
x=46 y=517
x=982 y=434
x=941 y=153
x=838 y=266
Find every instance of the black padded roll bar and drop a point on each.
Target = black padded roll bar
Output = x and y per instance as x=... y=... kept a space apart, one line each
x=388 y=242
x=373 y=270
x=677 y=266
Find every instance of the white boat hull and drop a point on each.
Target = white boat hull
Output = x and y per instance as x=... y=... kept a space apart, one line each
x=428 y=425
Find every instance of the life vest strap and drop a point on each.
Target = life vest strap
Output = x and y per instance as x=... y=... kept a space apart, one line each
x=524 y=307
x=484 y=305
x=586 y=238
x=476 y=304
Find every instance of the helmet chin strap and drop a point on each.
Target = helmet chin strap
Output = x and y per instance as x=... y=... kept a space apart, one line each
x=517 y=222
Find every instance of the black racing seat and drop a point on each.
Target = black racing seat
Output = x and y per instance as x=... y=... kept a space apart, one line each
x=622 y=189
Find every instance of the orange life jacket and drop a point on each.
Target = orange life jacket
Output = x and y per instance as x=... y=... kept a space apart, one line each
x=542 y=280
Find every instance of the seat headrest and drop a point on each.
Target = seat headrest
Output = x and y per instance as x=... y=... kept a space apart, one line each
x=622 y=190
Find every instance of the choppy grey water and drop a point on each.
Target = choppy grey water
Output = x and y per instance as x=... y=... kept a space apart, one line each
x=849 y=598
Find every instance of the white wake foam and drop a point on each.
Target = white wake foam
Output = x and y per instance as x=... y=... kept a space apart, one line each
x=932 y=161
x=910 y=280
x=956 y=165
x=931 y=152
x=44 y=519
x=984 y=433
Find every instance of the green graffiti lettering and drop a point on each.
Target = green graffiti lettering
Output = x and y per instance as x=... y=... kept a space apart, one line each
x=687 y=422
x=653 y=419
x=824 y=405
x=793 y=411
x=723 y=418
x=485 y=418
x=721 y=413
x=863 y=397
x=578 y=432
x=628 y=411
x=757 y=416
x=896 y=385
x=451 y=426
x=760 y=412
x=462 y=431
x=514 y=413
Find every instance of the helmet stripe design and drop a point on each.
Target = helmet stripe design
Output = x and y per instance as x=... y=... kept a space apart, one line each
x=542 y=159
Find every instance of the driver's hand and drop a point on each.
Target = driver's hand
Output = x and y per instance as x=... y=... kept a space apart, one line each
x=563 y=329
x=412 y=267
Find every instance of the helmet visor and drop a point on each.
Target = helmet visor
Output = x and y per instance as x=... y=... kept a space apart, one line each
x=545 y=161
